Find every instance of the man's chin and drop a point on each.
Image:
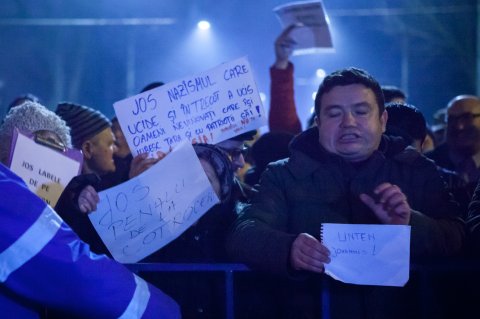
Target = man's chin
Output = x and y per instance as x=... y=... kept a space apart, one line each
x=109 y=170
x=353 y=156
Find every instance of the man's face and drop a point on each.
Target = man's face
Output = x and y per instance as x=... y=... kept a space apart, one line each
x=212 y=177
x=120 y=140
x=463 y=126
x=234 y=149
x=100 y=153
x=349 y=123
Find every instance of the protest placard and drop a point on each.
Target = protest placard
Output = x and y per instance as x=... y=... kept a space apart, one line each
x=204 y=108
x=45 y=171
x=314 y=35
x=140 y=216
x=368 y=254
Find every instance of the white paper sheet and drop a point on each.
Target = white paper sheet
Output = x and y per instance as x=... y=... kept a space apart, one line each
x=205 y=108
x=45 y=171
x=138 y=217
x=368 y=254
x=315 y=35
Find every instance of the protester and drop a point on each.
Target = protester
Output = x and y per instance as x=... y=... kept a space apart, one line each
x=19 y=100
x=408 y=122
x=33 y=118
x=461 y=151
x=122 y=159
x=200 y=294
x=282 y=114
x=29 y=118
x=344 y=171
x=391 y=93
x=126 y=165
x=92 y=134
x=270 y=147
x=235 y=150
x=473 y=222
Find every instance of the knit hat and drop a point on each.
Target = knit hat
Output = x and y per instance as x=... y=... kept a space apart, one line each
x=83 y=121
x=31 y=117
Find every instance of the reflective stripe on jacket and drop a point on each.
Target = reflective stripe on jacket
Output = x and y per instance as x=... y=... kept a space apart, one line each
x=43 y=263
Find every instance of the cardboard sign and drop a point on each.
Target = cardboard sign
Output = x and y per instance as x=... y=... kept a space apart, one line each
x=205 y=108
x=314 y=36
x=140 y=216
x=45 y=171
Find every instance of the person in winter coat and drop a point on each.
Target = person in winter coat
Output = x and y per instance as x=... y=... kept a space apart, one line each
x=344 y=171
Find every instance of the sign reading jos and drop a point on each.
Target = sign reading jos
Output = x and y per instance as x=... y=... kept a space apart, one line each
x=138 y=217
x=205 y=108
x=48 y=171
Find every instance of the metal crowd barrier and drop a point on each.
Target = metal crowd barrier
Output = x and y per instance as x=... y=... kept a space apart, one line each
x=424 y=269
x=227 y=269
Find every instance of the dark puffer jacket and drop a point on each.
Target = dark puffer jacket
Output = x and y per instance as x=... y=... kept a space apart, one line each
x=313 y=186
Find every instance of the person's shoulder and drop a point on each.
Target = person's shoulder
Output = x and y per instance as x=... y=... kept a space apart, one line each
x=278 y=166
x=438 y=152
x=412 y=157
x=278 y=170
x=398 y=150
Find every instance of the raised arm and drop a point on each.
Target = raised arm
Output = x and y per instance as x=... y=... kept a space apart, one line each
x=283 y=113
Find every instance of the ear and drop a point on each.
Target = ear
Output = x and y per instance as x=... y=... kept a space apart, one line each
x=87 y=149
x=383 y=120
x=317 y=120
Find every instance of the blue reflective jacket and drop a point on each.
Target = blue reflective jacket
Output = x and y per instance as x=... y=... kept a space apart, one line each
x=43 y=263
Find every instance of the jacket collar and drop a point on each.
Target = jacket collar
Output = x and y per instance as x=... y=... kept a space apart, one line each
x=308 y=155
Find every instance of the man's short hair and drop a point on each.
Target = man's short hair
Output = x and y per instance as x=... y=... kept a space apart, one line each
x=406 y=121
x=391 y=92
x=350 y=76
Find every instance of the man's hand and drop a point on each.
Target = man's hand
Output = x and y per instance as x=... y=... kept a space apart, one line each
x=284 y=45
x=391 y=207
x=142 y=162
x=308 y=253
x=88 y=199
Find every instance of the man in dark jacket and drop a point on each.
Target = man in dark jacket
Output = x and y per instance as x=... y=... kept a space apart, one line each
x=344 y=171
x=461 y=150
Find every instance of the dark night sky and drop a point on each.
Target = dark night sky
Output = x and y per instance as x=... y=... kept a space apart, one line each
x=427 y=47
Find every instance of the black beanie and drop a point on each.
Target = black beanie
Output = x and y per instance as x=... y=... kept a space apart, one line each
x=84 y=122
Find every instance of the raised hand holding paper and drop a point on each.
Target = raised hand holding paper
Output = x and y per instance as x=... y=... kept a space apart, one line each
x=314 y=36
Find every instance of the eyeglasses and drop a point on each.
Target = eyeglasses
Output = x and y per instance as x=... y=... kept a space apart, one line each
x=466 y=118
x=235 y=153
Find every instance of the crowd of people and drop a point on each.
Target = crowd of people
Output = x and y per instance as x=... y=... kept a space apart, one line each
x=365 y=157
